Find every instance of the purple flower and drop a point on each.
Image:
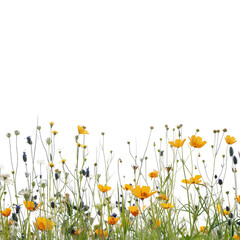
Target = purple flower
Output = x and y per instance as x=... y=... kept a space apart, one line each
x=29 y=141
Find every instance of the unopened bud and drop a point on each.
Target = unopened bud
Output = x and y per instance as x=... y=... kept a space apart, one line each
x=17 y=132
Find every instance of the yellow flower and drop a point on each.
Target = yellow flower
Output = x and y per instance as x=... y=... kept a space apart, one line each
x=236 y=237
x=219 y=208
x=6 y=212
x=31 y=206
x=63 y=161
x=153 y=174
x=166 y=205
x=101 y=233
x=192 y=180
x=10 y=223
x=163 y=197
x=225 y=212
x=43 y=224
x=51 y=165
x=112 y=220
x=82 y=130
x=104 y=188
x=230 y=140
x=134 y=210
x=51 y=124
x=54 y=132
x=127 y=187
x=196 y=142
x=178 y=143
x=203 y=229
x=142 y=192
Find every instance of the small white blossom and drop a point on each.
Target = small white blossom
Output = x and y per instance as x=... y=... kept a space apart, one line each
x=7 y=181
x=4 y=176
x=25 y=192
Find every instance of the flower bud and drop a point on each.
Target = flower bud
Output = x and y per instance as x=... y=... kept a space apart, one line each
x=52 y=204
x=220 y=181
x=231 y=151
x=56 y=176
x=24 y=157
x=48 y=141
x=17 y=132
x=235 y=161
x=29 y=140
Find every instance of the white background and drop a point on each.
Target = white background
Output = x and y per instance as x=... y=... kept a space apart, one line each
x=118 y=67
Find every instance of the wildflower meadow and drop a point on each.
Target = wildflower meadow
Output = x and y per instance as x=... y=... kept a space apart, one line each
x=180 y=187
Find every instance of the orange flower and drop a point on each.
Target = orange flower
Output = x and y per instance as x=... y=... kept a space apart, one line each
x=82 y=130
x=31 y=206
x=142 y=192
x=10 y=223
x=63 y=161
x=75 y=231
x=6 y=212
x=157 y=224
x=112 y=220
x=196 y=142
x=167 y=205
x=43 y=224
x=134 y=210
x=192 y=180
x=51 y=124
x=238 y=198
x=126 y=223
x=178 y=143
x=104 y=188
x=236 y=237
x=203 y=229
x=153 y=174
x=101 y=233
x=127 y=187
x=230 y=140
x=163 y=197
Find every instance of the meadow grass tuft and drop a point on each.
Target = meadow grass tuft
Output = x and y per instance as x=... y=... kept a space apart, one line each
x=169 y=192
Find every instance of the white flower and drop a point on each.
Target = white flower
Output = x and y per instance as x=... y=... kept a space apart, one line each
x=25 y=192
x=7 y=181
x=4 y=176
x=42 y=183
